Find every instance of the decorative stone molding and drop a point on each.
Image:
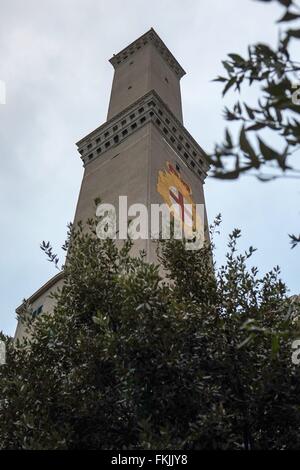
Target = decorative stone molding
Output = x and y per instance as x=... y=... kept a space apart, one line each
x=150 y=37
x=149 y=108
x=54 y=280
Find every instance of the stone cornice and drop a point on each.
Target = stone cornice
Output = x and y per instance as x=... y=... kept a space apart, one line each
x=45 y=287
x=148 y=109
x=150 y=37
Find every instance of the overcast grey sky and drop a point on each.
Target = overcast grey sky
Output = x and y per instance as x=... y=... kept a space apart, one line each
x=54 y=59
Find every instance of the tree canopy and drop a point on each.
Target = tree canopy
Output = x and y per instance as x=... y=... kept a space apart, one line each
x=195 y=358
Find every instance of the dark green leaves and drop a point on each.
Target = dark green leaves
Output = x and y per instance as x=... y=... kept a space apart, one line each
x=256 y=127
x=267 y=152
x=293 y=33
x=248 y=150
x=294 y=240
x=270 y=154
x=132 y=361
x=228 y=66
x=220 y=79
x=48 y=250
x=228 y=139
x=229 y=85
x=276 y=73
x=286 y=3
x=288 y=16
x=250 y=111
x=237 y=59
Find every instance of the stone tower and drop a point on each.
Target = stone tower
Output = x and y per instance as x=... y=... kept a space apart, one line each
x=143 y=138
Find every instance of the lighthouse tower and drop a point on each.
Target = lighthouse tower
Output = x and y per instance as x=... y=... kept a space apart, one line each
x=142 y=151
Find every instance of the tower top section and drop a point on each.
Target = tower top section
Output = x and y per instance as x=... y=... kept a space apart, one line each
x=150 y=37
x=144 y=66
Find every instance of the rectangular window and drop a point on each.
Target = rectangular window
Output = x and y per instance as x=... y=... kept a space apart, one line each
x=37 y=311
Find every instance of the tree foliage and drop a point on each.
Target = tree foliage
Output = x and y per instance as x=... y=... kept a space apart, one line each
x=275 y=114
x=196 y=359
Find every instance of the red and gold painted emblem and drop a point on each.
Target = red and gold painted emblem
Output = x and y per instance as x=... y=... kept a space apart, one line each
x=177 y=193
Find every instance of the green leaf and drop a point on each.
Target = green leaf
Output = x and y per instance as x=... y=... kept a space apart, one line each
x=267 y=152
x=228 y=139
x=249 y=111
x=237 y=58
x=294 y=240
x=288 y=16
x=293 y=33
x=275 y=345
x=256 y=127
x=231 y=175
x=245 y=342
x=229 y=85
x=271 y=154
x=286 y=3
x=227 y=66
x=248 y=149
x=220 y=79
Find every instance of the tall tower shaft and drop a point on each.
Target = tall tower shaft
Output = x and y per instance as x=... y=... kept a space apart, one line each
x=143 y=66
x=144 y=134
